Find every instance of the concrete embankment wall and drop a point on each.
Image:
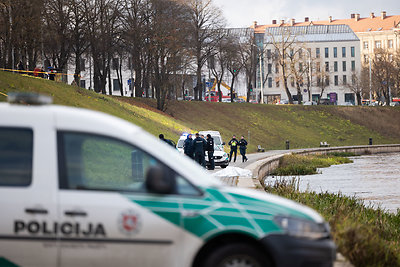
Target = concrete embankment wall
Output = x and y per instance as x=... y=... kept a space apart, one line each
x=263 y=167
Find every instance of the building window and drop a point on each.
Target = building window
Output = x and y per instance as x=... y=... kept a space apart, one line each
x=349 y=98
x=353 y=51
x=327 y=66
x=318 y=67
x=317 y=52
x=277 y=83
x=292 y=81
x=300 y=67
x=116 y=85
x=327 y=80
x=300 y=53
x=344 y=80
x=269 y=82
x=269 y=68
x=318 y=81
x=115 y=63
x=336 y=80
x=335 y=52
x=353 y=65
x=268 y=53
x=276 y=68
x=353 y=79
x=366 y=59
x=365 y=44
x=343 y=51
x=344 y=65
x=83 y=64
x=390 y=43
x=377 y=44
x=326 y=52
x=335 y=66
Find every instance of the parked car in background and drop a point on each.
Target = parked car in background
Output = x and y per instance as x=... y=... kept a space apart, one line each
x=310 y=103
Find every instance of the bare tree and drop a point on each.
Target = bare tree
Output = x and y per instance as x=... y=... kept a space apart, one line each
x=206 y=22
x=79 y=38
x=383 y=73
x=217 y=63
x=167 y=42
x=283 y=40
x=57 y=35
x=234 y=63
x=248 y=57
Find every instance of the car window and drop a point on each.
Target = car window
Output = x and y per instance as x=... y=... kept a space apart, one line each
x=16 y=156
x=180 y=143
x=94 y=162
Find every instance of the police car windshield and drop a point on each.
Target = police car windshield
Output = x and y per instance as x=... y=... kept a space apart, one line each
x=217 y=140
x=180 y=143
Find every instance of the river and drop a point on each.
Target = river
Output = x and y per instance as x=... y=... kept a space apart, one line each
x=373 y=178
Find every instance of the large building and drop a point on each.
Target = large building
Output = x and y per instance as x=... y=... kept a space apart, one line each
x=320 y=63
x=374 y=31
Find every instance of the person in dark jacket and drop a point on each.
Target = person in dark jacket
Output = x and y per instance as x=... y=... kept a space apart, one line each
x=242 y=148
x=169 y=142
x=210 y=151
x=234 y=144
x=199 y=144
x=188 y=148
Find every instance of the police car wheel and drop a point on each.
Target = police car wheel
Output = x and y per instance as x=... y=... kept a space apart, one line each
x=236 y=255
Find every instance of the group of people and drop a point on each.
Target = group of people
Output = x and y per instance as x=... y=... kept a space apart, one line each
x=234 y=144
x=196 y=148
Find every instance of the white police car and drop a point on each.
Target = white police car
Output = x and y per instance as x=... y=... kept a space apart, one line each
x=82 y=188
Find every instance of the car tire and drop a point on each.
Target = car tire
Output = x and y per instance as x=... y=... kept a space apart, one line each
x=224 y=166
x=236 y=254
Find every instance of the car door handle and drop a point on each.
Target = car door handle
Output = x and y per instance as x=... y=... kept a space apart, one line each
x=74 y=213
x=36 y=211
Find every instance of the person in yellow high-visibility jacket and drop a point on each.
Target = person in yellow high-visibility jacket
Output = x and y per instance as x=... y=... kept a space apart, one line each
x=234 y=144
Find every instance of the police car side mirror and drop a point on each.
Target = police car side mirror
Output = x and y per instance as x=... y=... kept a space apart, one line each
x=160 y=180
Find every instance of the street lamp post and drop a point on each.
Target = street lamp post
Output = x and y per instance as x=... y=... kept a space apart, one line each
x=261 y=79
x=370 y=80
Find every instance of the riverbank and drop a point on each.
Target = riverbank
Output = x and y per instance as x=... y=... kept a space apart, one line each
x=308 y=165
x=367 y=236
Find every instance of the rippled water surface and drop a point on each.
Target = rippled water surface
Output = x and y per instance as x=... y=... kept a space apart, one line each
x=374 y=178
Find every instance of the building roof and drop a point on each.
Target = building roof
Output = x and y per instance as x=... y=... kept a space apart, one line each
x=311 y=33
x=356 y=23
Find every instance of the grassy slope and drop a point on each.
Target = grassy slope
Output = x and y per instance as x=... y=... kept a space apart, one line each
x=149 y=119
x=305 y=126
x=269 y=125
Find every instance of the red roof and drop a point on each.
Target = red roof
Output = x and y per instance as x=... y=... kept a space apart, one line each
x=357 y=25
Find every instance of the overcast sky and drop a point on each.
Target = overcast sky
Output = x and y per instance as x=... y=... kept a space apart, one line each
x=242 y=13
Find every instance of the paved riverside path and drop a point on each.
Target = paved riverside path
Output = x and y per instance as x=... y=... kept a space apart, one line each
x=252 y=158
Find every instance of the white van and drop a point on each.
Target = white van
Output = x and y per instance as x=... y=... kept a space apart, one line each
x=82 y=188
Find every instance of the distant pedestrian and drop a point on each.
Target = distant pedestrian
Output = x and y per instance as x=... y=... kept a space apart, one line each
x=242 y=148
x=188 y=147
x=234 y=144
x=20 y=67
x=169 y=142
x=51 y=73
x=199 y=144
x=210 y=151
